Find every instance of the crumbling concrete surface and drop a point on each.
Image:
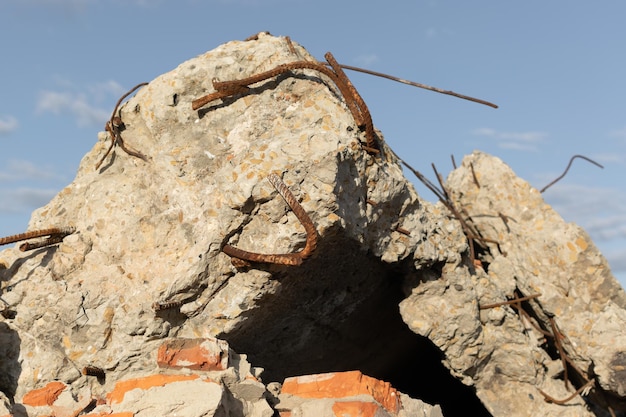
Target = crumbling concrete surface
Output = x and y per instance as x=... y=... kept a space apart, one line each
x=395 y=312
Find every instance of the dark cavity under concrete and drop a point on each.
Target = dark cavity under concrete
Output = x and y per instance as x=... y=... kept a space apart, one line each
x=339 y=312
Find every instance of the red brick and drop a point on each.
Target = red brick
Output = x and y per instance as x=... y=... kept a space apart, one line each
x=44 y=396
x=122 y=387
x=343 y=384
x=196 y=354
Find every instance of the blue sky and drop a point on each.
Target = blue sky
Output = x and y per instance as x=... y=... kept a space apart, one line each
x=556 y=69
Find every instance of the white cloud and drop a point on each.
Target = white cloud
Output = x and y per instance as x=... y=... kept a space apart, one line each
x=484 y=131
x=18 y=170
x=618 y=133
x=67 y=7
x=608 y=158
x=101 y=91
x=617 y=259
x=599 y=210
x=7 y=124
x=76 y=8
x=25 y=198
x=517 y=146
x=90 y=105
x=433 y=32
x=518 y=136
x=141 y=3
x=76 y=104
x=525 y=141
x=71 y=4
x=608 y=228
x=367 y=60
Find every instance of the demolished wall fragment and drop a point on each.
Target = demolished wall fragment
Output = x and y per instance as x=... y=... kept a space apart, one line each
x=144 y=274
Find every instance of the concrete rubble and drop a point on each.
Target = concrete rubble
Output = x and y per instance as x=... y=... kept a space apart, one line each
x=139 y=312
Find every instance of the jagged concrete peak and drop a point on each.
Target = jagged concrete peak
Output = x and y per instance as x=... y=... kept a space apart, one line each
x=151 y=287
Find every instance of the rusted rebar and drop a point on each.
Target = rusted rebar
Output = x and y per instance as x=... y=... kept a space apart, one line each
x=54 y=231
x=567 y=169
x=114 y=126
x=287 y=258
